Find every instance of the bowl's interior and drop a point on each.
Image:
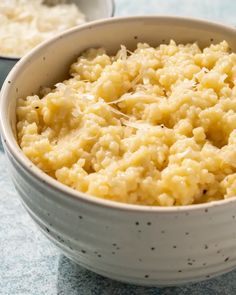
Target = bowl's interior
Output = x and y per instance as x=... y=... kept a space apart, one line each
x=49 y=63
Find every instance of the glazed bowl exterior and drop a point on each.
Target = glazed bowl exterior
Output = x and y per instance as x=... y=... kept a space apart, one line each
x=93 y=9
x=136 y=244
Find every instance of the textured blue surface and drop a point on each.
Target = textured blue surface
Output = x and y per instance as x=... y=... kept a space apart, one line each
x=217 y=10
x=30 y=265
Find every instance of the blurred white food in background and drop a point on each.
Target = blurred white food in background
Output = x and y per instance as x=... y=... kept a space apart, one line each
x=26 y=23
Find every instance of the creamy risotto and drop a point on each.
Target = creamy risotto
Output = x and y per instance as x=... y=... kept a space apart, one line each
x=152 y=127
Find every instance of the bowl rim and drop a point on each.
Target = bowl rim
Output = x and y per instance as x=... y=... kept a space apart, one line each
x=112 y=9
x=10 y=143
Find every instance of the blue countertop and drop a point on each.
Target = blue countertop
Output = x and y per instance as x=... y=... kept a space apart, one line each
x=29 y=263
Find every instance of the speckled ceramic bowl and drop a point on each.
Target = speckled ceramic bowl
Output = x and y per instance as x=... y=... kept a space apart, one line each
x=136 y=244
x=93 y=9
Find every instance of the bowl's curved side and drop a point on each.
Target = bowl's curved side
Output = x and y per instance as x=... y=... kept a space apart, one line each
x=150 y=247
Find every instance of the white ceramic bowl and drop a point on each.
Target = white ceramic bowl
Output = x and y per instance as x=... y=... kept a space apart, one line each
x=136 y=244
x=92 y=9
